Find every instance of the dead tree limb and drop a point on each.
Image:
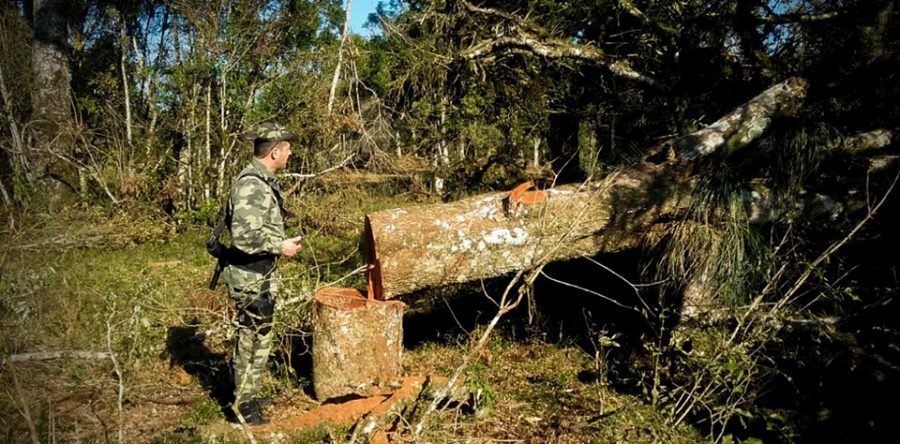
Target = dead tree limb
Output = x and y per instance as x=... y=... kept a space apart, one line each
x=533 y=39
x=867 y=141
x=556 y=49
x=47 y=356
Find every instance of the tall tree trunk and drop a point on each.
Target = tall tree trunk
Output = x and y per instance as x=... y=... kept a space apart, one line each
x=51 y=97
x=207 y=152
x=442 y=158
x=340 y=60
x=151 y=84
x=123 y=65
x=223 y=130
x=185 y=164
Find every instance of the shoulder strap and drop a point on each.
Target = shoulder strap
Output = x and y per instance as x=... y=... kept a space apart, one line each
x=275 y=191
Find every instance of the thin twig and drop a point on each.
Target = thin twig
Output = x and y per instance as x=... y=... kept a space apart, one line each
x=26 y=413
x=505 y=307
x=118 y=372
x=789 y=296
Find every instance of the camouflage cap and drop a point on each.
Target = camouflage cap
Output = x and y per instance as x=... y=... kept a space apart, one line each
x=272 y=132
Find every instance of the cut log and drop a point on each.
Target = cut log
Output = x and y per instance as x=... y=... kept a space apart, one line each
x=357 y=343
x=482 y=237
x=494 y=234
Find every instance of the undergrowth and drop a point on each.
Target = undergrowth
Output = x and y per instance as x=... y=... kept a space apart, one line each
x=137 y=288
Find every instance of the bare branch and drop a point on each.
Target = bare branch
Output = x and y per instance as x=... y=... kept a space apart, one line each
x=781 y=19
x=47 y=356
x=516 y=20
x=26 y=412
x=556 y=49
x=633 y=11
x=866 y=141
x=119 y=377
x=340 y=60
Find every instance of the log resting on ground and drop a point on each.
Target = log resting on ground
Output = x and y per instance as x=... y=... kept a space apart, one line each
x=493 y=234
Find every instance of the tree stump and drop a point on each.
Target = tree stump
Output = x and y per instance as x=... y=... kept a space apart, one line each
x=357 y=343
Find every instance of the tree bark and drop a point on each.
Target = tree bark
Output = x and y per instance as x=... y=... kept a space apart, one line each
x=357 y=343
x=494 y=234
x=867 y=141
x=51 y=97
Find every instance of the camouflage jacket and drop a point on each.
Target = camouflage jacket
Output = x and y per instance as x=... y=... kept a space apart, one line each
x=256 y=224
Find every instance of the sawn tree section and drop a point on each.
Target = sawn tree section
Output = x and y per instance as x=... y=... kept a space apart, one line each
x=493 y=234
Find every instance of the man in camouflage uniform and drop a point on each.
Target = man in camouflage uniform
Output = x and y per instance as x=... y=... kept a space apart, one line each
x=255 y=217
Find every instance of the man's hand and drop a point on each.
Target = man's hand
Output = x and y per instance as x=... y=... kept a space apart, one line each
x=291 y=246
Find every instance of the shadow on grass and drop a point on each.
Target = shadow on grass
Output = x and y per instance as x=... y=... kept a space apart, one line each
x=293 y=360
x=185 y=348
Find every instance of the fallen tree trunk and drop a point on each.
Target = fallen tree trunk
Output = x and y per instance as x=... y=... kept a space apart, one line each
x=494 y=234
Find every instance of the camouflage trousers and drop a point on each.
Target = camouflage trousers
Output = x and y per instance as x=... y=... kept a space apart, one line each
x=254 y=340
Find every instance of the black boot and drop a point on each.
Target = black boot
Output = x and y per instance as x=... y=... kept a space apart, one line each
x=252 y=414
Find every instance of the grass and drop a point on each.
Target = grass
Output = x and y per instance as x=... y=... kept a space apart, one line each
x=539 y=392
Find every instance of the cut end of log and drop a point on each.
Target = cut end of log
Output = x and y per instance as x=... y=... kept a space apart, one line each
x=341 y=298
x=373 y=268
x=347 y=299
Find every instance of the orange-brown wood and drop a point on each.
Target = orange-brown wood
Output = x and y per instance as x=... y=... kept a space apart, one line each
x=357 y=343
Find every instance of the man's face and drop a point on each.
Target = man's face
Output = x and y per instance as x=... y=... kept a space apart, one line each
x=280 y=154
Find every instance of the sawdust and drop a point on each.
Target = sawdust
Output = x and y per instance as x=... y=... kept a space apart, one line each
x=347 y=413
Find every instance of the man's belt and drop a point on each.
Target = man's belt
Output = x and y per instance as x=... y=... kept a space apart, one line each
x=256 y=263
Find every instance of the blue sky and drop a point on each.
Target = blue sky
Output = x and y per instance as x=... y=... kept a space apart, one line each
x=359 y=13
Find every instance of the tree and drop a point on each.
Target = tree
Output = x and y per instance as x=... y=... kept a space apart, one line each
x=51 y=96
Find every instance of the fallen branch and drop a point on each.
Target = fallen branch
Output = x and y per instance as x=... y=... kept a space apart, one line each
x=47 y=356
x=505 y=307
x=26 y=412
x=120 y=433
x=866 y=141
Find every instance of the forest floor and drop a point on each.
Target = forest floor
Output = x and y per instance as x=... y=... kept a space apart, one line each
x=134 y=287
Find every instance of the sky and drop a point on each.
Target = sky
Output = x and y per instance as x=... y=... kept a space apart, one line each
x=359 y=14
